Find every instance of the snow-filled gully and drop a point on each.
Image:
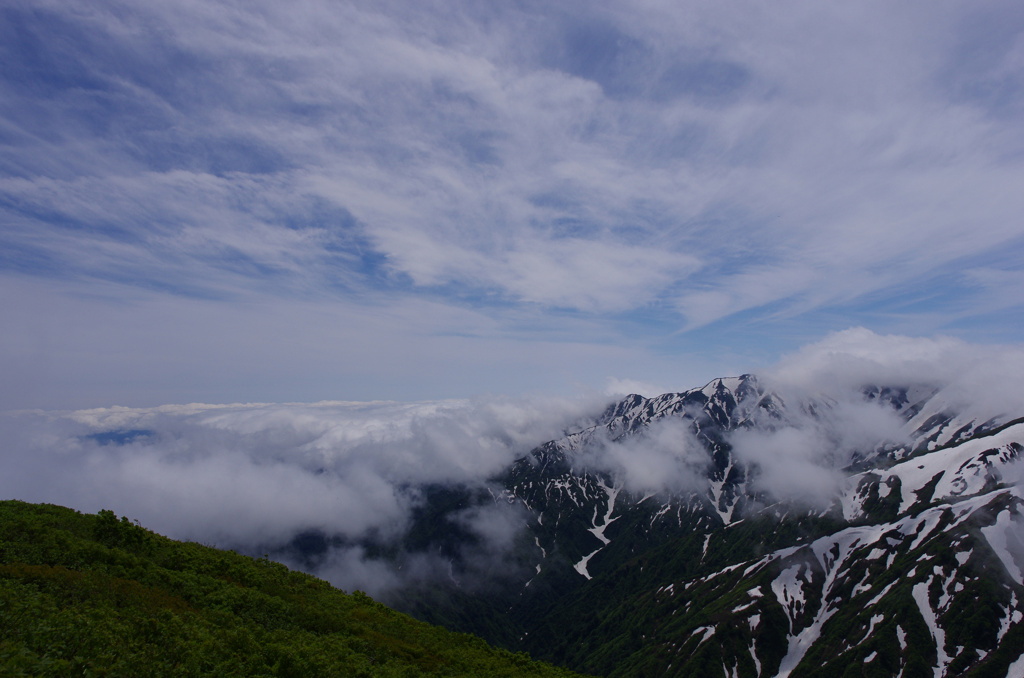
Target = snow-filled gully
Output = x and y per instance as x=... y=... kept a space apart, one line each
x=920 y=593
x=598 y=530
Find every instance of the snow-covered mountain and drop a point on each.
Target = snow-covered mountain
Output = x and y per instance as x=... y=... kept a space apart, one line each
x=685 y=535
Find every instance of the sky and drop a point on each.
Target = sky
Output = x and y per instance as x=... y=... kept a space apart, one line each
x=227 y=202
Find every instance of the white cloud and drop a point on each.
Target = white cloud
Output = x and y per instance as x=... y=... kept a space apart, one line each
x=350 y=569
x=447 y=136
x=804 y=456
x=980 y=377
x=254 y=476
x=615 y=174
x=802 y=459
x=623 y=387
x=593 y=276
x=666 y=459
x=250 y=474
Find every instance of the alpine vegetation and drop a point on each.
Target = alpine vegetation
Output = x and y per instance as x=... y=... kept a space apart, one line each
x=94 y=595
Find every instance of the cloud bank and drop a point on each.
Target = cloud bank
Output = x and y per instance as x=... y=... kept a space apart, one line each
x=254 y=476
x=349 y=475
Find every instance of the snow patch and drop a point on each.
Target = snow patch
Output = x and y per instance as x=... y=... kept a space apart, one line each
x=871 y=626
x=930 y=523
x=788 y=588
x=581 y=566
x=598 y=530
x=716 y=496
x=1013 y=616
x=708 y=631
x=757 y=662
x=965 y=468
x=1016 y=669
x=853 y=500
x=881 y=595
x=1002 y=537
x=920 y=593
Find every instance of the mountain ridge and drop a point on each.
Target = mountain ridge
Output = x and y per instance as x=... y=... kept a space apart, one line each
x=589 y=536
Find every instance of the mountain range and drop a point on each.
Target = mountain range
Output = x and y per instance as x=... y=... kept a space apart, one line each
x=741 y=530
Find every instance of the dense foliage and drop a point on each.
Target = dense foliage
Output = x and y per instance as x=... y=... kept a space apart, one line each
x=101 y=596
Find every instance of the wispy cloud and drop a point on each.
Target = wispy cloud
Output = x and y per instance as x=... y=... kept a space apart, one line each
x=653 y=170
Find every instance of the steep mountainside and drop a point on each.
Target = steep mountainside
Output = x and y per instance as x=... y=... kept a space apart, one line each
x=910 y=565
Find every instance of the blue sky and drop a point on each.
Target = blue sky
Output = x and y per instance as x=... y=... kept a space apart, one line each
x=231 y=202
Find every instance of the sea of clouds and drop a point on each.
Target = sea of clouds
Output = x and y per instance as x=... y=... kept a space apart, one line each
x=254 y=476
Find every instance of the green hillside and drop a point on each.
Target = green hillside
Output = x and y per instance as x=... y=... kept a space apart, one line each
x=98 y=596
